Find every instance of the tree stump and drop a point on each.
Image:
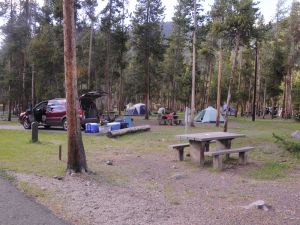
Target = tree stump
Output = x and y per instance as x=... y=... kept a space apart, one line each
x=34 y=132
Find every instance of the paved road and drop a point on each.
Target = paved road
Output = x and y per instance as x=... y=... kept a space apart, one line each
x=17 y=209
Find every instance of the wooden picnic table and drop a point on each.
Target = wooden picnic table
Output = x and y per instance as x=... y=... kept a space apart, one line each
x=200 y=141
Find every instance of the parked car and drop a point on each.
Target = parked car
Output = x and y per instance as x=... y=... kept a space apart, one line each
x=53 y=112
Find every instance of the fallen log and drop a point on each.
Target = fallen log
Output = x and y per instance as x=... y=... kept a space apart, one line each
x=116 y=133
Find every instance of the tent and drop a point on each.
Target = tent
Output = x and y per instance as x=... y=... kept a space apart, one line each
x=208 y=115
x=136 y=110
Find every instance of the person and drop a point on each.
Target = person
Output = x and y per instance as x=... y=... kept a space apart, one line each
x=161 y=110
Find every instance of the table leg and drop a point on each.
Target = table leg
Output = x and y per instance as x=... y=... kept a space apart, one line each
x=197 y=152
x=224 y=144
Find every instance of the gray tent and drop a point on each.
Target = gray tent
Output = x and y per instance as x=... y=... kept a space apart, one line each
x=208 y=115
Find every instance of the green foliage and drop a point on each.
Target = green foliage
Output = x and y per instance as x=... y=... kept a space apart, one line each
x=290 y=145
x=270 y=171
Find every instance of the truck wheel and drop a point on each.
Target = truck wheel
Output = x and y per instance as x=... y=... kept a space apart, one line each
x=65 y=124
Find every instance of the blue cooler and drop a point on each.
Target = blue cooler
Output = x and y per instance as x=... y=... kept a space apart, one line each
x=87 y=128
x=91 y=128
x=114 y=126
x=94 y=128
x=128 y=120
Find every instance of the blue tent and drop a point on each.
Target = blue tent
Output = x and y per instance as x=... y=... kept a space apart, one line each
x=136 y=110
x=208 y=115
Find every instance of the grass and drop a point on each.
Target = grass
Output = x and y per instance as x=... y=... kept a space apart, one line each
x=18 y=154
x=270 y=171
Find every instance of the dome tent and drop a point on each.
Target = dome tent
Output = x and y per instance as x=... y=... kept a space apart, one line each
x=136 y=110
x=208 y=115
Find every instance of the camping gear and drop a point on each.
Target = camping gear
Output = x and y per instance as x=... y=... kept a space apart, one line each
x=136 y=110
x=208 y=115
x=91 y=128
x=114 y=126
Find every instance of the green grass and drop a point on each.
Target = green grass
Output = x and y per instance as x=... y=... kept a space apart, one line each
x=270 y=171
x=18 y=154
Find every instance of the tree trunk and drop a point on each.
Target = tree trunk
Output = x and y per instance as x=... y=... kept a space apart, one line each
x=255 y=83
x=76 y=154
x=193 y=69
x=210 y=74
x=232 y=75
x=219 y=85
x=90 y=57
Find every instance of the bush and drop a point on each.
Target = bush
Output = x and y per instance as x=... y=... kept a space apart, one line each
x=290 y=145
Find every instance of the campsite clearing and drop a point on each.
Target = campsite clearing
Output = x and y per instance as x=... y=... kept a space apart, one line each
x=149 y=185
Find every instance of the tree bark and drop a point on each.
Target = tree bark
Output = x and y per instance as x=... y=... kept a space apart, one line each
x=193 y=69
x=232 y=76
x=219 y=85
x=76 y=154
x=90 y=56
x=255 y=83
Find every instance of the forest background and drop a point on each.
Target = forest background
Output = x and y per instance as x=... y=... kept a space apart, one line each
x=138 y=57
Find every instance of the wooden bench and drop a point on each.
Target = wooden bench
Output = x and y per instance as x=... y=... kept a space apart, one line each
x=217 y=160
x=180 y=148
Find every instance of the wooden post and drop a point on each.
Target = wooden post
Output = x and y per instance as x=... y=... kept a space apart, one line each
x=59 y=152
x=34 y=132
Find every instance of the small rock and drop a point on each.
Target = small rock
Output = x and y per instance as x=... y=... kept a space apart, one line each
x=73 y=174
x=178 y=176
x=88 y=183
x=58 y=177
x=296 y=134
x=259 y=204
x=43 y=188
x=109 y=162
x=174 y=167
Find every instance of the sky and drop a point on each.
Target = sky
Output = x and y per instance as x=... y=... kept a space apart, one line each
x=267 y=7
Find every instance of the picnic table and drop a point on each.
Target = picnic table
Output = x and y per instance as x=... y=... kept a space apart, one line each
x=199 y=143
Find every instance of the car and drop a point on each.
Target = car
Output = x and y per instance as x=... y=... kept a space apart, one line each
x=53 y=112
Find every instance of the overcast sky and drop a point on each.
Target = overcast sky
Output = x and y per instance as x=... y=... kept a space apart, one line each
x=267 y=7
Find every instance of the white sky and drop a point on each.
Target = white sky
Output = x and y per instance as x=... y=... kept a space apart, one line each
x=267 y=7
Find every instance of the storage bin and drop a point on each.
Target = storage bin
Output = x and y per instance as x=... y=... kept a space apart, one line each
x=114 y=126
x=91 y=128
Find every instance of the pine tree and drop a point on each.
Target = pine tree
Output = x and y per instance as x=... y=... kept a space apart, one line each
x=147 y=41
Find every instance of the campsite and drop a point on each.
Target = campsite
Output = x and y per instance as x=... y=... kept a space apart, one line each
x=150 y=112
x=149 y=185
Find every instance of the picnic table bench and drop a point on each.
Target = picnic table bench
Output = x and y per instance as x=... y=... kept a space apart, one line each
x=180 y=148
x=217 y=160
x=199 y=143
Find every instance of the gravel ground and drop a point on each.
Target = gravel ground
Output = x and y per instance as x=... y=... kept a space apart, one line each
x=161 y=191
x=156 y=189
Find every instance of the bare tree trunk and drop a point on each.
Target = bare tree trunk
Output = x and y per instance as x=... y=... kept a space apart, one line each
x=264 y=100
x=76 y=153
x=255 y=83
x=219 y=85
x=90 y=56
x=232 y=75
x=193 y=69
x=210 y=74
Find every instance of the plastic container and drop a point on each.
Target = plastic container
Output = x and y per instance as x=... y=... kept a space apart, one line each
x=128 y=120
x=114 y=126
x=91 y=128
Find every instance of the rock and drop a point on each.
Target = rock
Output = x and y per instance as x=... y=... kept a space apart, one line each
x=178 y=176
x=174 y=167
x=109 y=162
x=58 y=177
x=88 y=183
x=296 y=134
x=259 y=204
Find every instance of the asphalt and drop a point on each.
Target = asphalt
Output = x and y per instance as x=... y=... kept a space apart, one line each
x=18 y=209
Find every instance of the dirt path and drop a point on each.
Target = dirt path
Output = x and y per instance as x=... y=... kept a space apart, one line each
x=16 y=209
